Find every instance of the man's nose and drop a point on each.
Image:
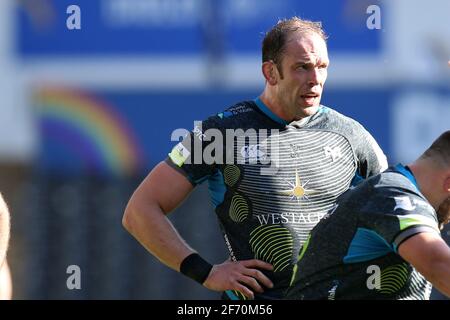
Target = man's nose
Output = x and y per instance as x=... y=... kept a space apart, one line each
x=314 y=77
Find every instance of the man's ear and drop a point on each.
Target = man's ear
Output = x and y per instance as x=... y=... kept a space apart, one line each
x=447 y=184
x=270 y=72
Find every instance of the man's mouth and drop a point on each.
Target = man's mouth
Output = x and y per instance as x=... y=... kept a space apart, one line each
x=310 y=98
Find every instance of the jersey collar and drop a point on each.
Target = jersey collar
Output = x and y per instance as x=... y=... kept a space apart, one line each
x=265 y=109
x=404 y=170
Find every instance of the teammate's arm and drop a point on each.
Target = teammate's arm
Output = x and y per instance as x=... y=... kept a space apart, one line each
x=145 y=218
x=4 y=229
x=430 y=255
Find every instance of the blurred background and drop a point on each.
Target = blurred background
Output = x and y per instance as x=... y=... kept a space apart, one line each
x=86 y=112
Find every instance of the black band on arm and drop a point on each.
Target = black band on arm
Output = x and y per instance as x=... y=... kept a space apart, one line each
x=195 y=267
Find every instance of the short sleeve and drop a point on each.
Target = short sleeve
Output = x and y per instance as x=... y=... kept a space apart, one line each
x=371 y=158
x=404 y=216
x=188 y=156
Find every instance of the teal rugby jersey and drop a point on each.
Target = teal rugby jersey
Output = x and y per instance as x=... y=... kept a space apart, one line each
x=358 y=242
x=271 y=181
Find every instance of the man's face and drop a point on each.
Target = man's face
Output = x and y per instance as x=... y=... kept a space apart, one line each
x=304 y=71
x=443 y=213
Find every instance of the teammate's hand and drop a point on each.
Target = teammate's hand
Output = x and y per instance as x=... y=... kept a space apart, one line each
x=242 y=276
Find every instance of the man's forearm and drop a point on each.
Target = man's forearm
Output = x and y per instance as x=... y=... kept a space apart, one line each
x=430 y=255
x=439 y=273
x=156 y=233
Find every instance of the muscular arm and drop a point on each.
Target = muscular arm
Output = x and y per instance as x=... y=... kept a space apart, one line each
x=4 y=229
x=145 y=218
x=430 y=255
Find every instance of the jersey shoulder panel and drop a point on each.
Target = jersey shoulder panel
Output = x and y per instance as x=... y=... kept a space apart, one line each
x=396 y=209
x=335 y=120
x=371 y=157
x=242 y=115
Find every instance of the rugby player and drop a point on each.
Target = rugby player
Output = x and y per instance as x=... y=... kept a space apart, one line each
x=276 y=165
x=382 y=240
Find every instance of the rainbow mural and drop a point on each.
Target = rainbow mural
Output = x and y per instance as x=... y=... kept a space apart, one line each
x=89 y=130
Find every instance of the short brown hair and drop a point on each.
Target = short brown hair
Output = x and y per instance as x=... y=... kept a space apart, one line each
x=275 y=39
x=440 y=149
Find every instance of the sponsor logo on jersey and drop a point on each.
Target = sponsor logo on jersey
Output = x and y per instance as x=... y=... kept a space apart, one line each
x=334 y=153
x=332 y=291
x=234 y=111
x=254 y=153
x=295 y=150
x=179 y=154
x=298 y=189
x=405 y=203
x=287 y=218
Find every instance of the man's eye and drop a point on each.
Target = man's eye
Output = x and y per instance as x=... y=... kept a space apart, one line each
x=304 y=67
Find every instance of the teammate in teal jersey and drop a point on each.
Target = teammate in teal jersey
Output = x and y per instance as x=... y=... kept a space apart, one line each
x=274 y=165
x=382 y=240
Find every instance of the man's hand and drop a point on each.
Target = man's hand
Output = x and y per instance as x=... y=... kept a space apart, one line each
x=242 y=276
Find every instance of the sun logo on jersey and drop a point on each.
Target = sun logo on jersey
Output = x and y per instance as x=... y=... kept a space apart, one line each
x=298 y=189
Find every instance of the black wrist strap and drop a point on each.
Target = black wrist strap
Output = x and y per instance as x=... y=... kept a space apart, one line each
x=195 y=267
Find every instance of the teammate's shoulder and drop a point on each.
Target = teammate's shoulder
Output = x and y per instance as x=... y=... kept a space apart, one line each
x=392 y=179
x=392 y=176
x=401 y=201
x=392 y=194
x=397 y=186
